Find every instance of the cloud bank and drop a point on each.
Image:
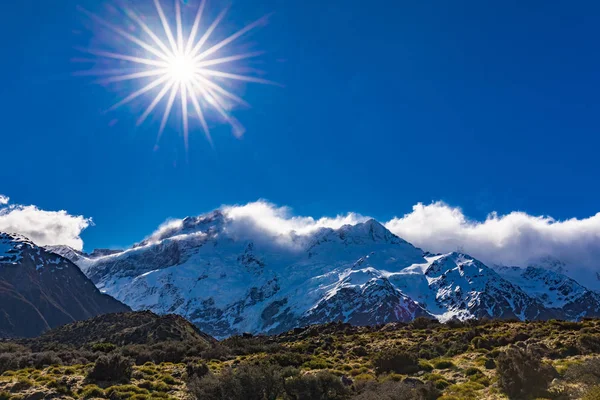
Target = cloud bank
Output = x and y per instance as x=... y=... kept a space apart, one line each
x=43 y=227
x=516 y=238
x=513 y=239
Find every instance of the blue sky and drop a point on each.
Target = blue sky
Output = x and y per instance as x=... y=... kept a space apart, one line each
x=385 y=104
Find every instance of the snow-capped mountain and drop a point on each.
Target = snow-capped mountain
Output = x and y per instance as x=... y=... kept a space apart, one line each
x=456 y=285
x=40 y=290
x=227 y=282
x=555 y=290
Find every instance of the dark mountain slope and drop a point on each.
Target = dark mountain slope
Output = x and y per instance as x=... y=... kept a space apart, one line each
x=123 y=329
x=40 y=290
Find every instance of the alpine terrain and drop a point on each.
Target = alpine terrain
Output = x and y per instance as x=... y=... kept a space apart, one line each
x=227 y=282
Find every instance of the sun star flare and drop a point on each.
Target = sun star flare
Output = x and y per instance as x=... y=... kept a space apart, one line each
x=179 y=63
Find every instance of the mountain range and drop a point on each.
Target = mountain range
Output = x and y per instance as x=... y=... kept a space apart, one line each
x=40 y=290
x=230 y=281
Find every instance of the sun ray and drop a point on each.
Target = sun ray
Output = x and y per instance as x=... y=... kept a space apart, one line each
x=231 y=38
x=103 y=72
x=194 y=31
x=200 y=115
x=165 y=118
x=221 y=74
x=149 y=32
x=222 y=91
x=124 y=57
x=154 y=103
x=140 y=92
x=126 y=35
x=212 y=98
x=223 y=60
x=207 y=34
x=137 y=75
x=166 y=25
x=184 y=113
x=179 y=27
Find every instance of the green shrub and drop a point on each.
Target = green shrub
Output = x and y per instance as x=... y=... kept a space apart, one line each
x=397 y=361
x=322 y=386
x=592 y=394
x=131 y=389
x=472 y=371
x=22 y=384
x=194 y=369
x=317 y=363
x=247 y=381
x=359 y=351
x=168 y=379
x=111 y=368
x=91 y=391
x=479 y=342
x=587 y=372
x=589 y=344
x=441 y=384
x=443 y=364
x=423 y=323
x=391 y=390
x=522 y=374
x=61 y=387
x=288 y=359
x=160 y=387
x=425 y=366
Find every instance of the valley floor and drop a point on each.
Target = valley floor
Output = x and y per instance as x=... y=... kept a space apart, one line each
x=420 y=360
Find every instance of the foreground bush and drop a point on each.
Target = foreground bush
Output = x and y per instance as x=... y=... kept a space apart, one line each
x=112 y=368
x=522 y=374
x=248 y=382
x=266 y=381
x=587 y=372
x=320 y=386
x=592 y=394
x=391 y=390
x=396 y=361
x=195 y=369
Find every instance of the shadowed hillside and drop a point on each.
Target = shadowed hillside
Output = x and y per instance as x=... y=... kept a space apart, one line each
x=143 y=328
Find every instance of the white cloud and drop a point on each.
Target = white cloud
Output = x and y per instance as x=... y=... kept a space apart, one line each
x=263 y=221
x=4 y=200
x=513 y=239
x=280 y=220
x=44 y=227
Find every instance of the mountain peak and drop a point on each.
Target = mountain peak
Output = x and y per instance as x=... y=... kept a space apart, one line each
x=371 y=230
x=206 y=223
x=12 y=246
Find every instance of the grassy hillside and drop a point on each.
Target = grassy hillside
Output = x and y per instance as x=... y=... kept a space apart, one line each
x=421 y=360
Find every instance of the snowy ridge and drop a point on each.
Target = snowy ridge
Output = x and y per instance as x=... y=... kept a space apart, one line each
x=10 y=249
x=554 y=290
x=363 y=274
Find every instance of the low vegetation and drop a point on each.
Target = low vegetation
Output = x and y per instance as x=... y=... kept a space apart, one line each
x=418 y=361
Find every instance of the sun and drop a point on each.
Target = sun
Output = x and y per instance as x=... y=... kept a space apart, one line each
x=182 y=69
x=179 y=66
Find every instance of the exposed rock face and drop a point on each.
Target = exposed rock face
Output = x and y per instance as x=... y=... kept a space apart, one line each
x=40 y=290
